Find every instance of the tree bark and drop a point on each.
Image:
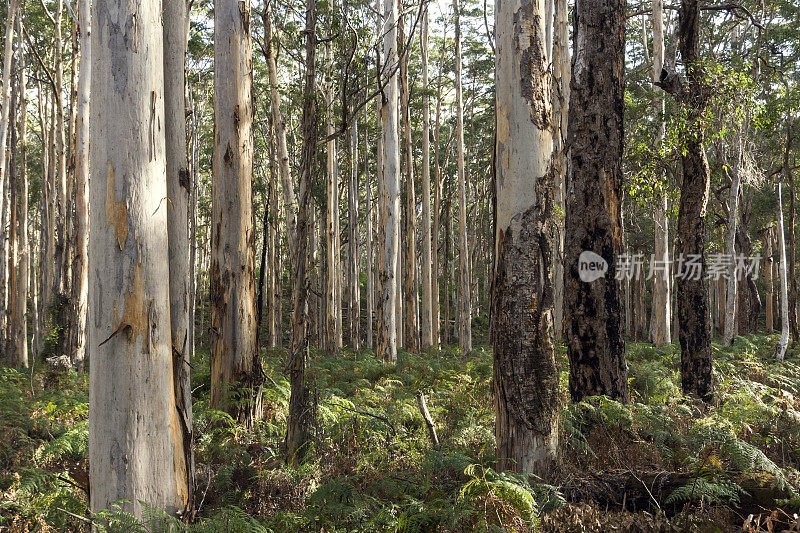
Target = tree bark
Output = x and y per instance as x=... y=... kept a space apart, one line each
x=234 y=354
x=410 y=287
x=766 y=245
x=594 y=223
x=287 y=187
x=561 y=81
x=661 y=316
x=369 y=231
x=465 y=307
x=783 y=343
x=19 y=333
x=791 y=236
x=390 y=190
x=136 y=447
x=525 y=372
x=694 y=327
x=428 y=266
x=332 y=264
x=354 y=303
x=300 y=415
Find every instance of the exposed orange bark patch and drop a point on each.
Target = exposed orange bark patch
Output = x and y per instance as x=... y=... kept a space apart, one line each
x=116 y=212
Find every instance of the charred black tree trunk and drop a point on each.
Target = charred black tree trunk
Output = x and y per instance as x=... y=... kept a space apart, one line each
x=593 y=312
x=694 y=323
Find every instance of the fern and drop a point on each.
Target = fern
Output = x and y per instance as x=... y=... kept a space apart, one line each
x=710 y=492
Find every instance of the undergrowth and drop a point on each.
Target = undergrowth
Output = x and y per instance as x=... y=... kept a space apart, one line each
x=372 y=467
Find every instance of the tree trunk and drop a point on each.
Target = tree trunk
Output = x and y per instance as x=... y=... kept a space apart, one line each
x=136 y=446
x=19 y=333
x=766 y=245
x=370 y=252
x=560 y=98
x=4 y=127
x=437 y=207
x=525 y=371
x=730 y=243
x=661 y=316
x=390 y=190
x=780 y=351
x=428 y=266
x=287 y=187
x=300 y=415
x=410 y=287
x=594 y=223
x=354 y=304
x=331 y=215
x=234 y=354
x=791 y=235
x=465 y=308
x=695 y=330
x=178 y=191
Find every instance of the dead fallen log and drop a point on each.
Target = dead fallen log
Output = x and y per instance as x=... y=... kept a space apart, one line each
x=649 y=491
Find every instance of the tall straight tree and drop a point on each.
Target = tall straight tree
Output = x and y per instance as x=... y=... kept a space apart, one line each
x=18 y=327
x=287 y=187
x=178 y=191
x=354 y=303
x=136 y=449
x=694 y=331
x=594 y=223
x=525 y=371
x=234 y=355
x=660 y=331
x=80 y=285
x=428 y=266
x=299 y=411
x=560 y=98
x=464 y=298
x=389 y=189
x=410 y=287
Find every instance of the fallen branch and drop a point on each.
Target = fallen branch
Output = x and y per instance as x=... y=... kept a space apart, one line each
x=423 y=408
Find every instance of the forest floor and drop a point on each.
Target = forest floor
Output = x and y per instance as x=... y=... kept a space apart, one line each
x=662 y=463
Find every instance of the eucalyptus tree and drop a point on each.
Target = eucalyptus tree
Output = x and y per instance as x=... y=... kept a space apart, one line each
x=593 y=232
x=136 y=447
x=525 y=371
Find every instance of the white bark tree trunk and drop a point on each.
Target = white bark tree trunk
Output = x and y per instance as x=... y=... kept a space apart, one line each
x=19 y=314
x=287 y=187
x=178 y=191
x=390 y=190
x=465 y=304
x=354 y=305
x=428 y=267
x=525 y=370
x=136 y=450
x=660 y=330
x=234 y=355
x=81 y=282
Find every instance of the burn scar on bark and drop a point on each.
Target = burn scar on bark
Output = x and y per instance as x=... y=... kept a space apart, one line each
x=534 y=73
x=229 y=156
x=244 y=14
x=116 y=212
